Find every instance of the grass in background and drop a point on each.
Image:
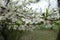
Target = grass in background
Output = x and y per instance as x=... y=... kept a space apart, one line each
x=40 y=35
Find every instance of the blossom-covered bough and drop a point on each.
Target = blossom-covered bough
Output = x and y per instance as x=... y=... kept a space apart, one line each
x=22 y=17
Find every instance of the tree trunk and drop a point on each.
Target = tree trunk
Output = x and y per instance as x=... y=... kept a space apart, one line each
x=59 y=5
x=58 y=36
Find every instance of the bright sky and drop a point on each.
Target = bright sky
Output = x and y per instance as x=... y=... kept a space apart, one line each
x=42 y=5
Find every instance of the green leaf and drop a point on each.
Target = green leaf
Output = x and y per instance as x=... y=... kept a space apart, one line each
x=18 y=22
x=58 y=24
x=46 y=14
x=37 y=0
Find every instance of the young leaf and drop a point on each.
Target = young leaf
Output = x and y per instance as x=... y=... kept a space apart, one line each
x=46 y=14
x=18 y=22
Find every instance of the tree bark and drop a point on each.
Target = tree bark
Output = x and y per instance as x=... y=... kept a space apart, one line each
x=59 y=5
x=58 y=36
